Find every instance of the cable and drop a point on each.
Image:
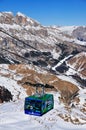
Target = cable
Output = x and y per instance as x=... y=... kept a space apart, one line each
x=29 y=46
x=33 y=64
x=18 y=39
x=16 y=55
x=31 y=61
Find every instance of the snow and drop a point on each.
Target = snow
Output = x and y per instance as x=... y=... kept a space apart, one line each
x=82 y=96
x=67 y=29
x=55 y=33
x=32 y=27
x=20 y=14
x=3 y=68
x=71 y=71
x=61 y=62
x=80 y=54
x=9 y=12
x=61 y=31
x=79 y=42
x=8 y=26
x=29 y=20
x=12 y=113
x=13 y=87
x=49 y=121
x=55 y=54
x=1 y=14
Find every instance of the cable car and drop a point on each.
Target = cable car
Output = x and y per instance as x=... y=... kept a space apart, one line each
x=38 y=104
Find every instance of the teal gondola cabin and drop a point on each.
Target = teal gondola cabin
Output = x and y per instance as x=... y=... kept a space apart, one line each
x=38 y=104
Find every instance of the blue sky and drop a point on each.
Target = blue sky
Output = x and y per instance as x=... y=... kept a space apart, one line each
x=49 y=12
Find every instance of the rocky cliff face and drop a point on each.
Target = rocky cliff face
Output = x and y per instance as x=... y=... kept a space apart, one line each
x=5 y=95
x=80 y=33
x=78 y=64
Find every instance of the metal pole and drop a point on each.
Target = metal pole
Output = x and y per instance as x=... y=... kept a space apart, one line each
x=36 y=90
x=43 y=90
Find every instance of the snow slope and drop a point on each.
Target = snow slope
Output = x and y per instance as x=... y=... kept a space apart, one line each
x=67 y=29
x=62 y=117
x=32 y=30
x=16 y=90
x=12 y=117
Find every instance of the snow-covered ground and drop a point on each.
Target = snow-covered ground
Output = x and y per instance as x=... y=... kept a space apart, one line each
x=67 y=29
x=62 y=117
x=12 y=117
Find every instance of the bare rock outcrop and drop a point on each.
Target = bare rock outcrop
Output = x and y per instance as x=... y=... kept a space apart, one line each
x=79 y=63
x=80 y=33
x=32 y=77
x=5 y=95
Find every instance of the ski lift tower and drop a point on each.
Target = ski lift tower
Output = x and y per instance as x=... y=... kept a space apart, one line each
x=39 y=103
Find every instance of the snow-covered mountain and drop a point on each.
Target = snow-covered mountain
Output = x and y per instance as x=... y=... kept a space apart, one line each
x=24 y=40
x=69 y=111
x=54 y=56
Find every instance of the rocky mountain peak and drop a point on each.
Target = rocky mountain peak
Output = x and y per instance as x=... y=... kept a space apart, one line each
x=19 y=18
x=20 y=14
x=47 y=47
x=22 y=19
x=6 y=18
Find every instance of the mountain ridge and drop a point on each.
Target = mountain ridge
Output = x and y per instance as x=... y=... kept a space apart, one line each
x=27 y=41
x=53 y=56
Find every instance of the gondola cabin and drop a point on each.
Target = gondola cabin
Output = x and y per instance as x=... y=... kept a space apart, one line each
x=38 y=105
